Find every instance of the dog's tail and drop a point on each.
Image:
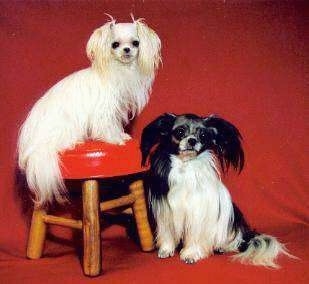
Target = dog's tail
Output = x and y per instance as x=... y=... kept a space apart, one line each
x=255 y=248
x=261 y=250
x=42 y=171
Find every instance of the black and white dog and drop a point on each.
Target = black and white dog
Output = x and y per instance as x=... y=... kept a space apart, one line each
x=190 y=203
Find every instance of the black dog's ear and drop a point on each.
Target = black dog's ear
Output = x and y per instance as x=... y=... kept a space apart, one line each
x=225 y=141
x=154 y=132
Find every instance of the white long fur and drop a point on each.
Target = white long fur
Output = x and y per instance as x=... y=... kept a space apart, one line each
x=94 y=103
x=264 y=254
x=191 y=210
x=198 y=211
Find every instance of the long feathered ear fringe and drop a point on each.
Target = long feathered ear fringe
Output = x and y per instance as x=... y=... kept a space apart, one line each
x=149 y=48
x=225 y=142
x=155 y=131
x=99 y=46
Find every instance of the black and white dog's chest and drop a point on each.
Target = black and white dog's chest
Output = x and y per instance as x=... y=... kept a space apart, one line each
x=191 y=181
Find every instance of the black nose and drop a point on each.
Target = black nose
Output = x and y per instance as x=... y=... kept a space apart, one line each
x=126 y=50
x=192 y=142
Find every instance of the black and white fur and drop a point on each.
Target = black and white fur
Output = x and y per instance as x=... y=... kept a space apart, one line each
x=190 y=203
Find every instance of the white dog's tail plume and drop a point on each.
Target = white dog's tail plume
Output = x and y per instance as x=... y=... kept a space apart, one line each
x=43 y=175
x=254 y=248
x=261 y=250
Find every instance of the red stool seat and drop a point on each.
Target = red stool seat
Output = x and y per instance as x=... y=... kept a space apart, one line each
x=98 y=159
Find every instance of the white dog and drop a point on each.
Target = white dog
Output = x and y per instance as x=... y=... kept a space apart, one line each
x=93 y=103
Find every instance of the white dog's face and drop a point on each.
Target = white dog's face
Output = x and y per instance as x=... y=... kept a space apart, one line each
x=125 y=42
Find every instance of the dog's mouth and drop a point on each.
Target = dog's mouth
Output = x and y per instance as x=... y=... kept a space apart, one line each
x=126 y=57
x=187 y=154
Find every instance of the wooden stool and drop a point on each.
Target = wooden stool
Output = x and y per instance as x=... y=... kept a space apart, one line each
x=89 y=162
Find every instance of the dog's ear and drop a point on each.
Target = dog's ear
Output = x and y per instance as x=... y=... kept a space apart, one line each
x=158 y=129
x=225 y=140
x=149 y=55
x=99 y=46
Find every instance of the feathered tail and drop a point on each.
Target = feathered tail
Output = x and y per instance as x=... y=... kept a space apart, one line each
x=254 y=248
x=43 y=175
x=261 y=250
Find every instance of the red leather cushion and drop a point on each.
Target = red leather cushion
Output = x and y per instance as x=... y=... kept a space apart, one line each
x=100 y=159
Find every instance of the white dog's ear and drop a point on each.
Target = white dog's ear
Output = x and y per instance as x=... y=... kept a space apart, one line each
x=149 y=48
x=99 y=46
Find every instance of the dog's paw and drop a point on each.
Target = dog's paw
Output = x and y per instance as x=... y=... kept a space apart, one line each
x=191 y=255
x=165 y=253
x=190 y=260
x=126 y=136
x=119 y=139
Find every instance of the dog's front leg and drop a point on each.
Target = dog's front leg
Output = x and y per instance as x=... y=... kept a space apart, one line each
x=166 y=242
x=111 y=133
x=194 y=246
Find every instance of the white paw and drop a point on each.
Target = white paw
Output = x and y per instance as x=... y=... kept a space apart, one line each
x=165 y=253
x=119 y=139
x=126 y=136
x=114 y=140
x=191 y=255
x=121 y=142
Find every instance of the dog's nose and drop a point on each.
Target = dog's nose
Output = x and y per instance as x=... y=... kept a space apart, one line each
x=126 y=49
x=192 y=141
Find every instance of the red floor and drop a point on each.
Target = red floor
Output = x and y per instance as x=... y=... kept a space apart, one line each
x=242 y=60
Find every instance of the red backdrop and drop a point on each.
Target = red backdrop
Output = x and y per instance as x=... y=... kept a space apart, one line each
x=242 y=60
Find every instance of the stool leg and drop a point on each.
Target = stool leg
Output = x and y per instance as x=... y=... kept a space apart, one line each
x=91 y=228
x=37 y=234
x=140 y=213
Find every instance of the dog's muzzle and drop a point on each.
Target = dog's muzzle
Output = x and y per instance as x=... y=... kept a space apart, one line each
x=189 y=148
x=187 y=154
x=127 y=58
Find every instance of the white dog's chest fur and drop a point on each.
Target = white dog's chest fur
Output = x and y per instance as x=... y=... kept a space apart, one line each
x=199 y=202
x=188 y=181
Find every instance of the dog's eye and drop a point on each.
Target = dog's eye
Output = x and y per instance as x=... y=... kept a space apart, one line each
x=203 y=136
x=179 y=133
x=115 y=44
x=135 y=43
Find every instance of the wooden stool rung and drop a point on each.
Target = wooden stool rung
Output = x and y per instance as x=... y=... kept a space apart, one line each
x=65 y=222
x=121 y=201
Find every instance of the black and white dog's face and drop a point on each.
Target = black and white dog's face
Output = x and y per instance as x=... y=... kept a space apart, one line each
x=188 y=135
